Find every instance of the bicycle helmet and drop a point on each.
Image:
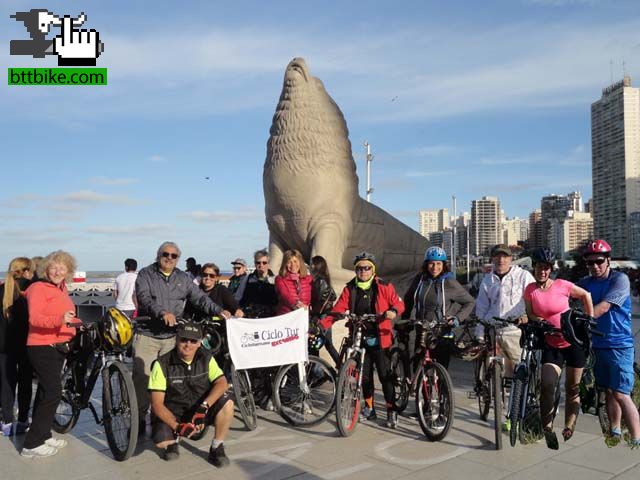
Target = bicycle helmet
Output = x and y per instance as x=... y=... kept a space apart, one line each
x=597 y=247
x=574 y=329
x=369 y=257
x=116 y=330
x=435 y=254
x=543 y=255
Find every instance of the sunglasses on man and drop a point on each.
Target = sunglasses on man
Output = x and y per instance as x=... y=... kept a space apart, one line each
x=364 y=268
x=261 y=263
x=209 y=275
x=170 y=255
x=597 y=261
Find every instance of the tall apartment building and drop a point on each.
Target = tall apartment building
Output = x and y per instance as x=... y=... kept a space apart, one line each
x=486 y=228
x=555 y=207
x=615 y=164
x=570 y=233
x=514 y=230
x=535 y=239
x=433 y=221
x=634 y=235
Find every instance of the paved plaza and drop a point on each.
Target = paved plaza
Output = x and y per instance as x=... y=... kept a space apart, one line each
x=277 y=451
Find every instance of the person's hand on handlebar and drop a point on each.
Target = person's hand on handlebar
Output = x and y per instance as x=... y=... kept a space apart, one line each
x=391 y=314
x=522 y=320
x=169 y=319
x=225 y=314
x=453 y=321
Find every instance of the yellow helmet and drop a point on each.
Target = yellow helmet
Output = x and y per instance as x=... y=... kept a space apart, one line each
x=116 y=330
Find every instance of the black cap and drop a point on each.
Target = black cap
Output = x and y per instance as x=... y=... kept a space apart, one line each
x=190 y=330
x=498 y=249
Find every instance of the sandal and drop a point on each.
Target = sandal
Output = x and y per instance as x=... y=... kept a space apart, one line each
x=567 y=433
x=552 y=439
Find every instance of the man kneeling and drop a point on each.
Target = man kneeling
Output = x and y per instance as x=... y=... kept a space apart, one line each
x=189 y=391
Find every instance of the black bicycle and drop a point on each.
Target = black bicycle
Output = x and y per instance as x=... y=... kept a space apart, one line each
x=430 y=381
x=91 y=357
x=489 y=370
x=215 y=340
x=524 y=402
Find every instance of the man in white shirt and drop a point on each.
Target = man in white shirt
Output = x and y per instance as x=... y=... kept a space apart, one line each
x=124 y=288
x=501 y=295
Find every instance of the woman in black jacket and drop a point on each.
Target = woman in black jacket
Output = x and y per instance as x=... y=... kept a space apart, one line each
x=323 y=296
x=435 y=294
x=15 y=368
x=220 y=294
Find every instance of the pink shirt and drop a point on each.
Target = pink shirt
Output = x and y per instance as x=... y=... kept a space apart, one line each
x=550 y=304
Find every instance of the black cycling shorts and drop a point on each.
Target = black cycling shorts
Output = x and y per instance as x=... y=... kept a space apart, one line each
x=160 y=431
x=573 y=356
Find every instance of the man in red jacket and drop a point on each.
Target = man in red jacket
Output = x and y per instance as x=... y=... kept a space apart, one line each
x=366 y=294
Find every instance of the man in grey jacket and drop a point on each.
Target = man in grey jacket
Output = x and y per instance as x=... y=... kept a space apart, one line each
x=161 y=291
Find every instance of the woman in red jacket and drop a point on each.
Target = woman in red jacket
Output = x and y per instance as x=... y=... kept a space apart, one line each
x=365 y=294
x=51 y=314
x=293 y=283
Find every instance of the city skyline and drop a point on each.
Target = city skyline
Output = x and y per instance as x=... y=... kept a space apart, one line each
x=494 y=103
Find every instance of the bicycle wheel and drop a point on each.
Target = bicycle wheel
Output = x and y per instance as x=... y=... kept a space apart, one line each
x=398 y=376
x=119 y=411
x=244 y=397
x=496 y=381
x=434 y=401
x=517 y=390
x=483 y=388
x=348 y=397
x=67 y=412
x=295 y=405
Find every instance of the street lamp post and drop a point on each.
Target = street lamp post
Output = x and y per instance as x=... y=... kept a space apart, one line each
x=369 y=160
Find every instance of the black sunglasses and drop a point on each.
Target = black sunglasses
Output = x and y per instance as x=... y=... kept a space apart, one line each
x=173 y=256
x=237 y=268
x=209 y=275
x=597 y=261
x=261 y=263
x=363 y=268
x=192 y=341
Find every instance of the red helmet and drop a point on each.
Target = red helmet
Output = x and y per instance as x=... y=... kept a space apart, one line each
x=597 y=246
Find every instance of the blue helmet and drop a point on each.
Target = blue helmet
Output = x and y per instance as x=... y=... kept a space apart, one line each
x=435 y=254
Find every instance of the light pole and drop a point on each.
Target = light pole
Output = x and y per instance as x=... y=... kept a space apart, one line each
x=455 y=240
x=369 y=160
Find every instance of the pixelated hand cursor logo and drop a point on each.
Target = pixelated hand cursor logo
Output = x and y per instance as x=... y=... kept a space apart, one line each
x=74 y=47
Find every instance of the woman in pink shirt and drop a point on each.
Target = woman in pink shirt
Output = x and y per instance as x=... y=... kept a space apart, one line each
x=51 y=314
x=293 y=283
x=546 y=300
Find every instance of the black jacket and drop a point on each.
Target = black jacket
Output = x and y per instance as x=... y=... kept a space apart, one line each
x=434 y=298
x=220 y=295
x=260 y=293
x=14 y=330
x=323 y=296
x=187 y=385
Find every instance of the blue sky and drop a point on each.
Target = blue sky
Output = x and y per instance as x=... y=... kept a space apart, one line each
x=461 y=97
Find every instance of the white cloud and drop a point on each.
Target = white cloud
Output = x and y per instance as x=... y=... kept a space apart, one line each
x=89 y=197
x=137 y=230
x=112 y=181
x=224 y=216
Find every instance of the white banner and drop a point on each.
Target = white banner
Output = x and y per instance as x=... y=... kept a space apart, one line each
x=268 y=342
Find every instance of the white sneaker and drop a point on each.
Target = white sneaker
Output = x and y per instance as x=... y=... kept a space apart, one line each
x=43 y=450
x=56 y=442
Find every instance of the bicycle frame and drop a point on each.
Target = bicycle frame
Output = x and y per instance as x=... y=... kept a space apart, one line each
x=526 y=369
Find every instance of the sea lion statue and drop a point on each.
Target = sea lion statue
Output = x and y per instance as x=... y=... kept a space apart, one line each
x=311 y=188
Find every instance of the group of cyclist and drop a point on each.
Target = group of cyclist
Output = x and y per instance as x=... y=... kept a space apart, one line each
x=165 y=348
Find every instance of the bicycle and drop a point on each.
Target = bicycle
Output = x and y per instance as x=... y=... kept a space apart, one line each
x=489 y=370
x=89 y=358
x=430 y=381
x=304 y=393
x=349 y=384
x=524 y=403
x=215 y=340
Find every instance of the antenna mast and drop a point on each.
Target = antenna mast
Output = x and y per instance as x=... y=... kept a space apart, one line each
x=369 y=157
